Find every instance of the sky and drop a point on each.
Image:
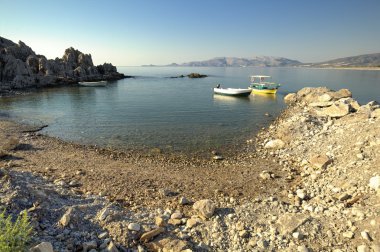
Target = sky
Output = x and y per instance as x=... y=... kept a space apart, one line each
x=133 y=33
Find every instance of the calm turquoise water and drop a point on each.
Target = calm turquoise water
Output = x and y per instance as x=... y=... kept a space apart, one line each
x=181 y=114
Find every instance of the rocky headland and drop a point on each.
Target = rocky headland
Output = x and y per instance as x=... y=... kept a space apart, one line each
x=308 y=182
x=21 y=68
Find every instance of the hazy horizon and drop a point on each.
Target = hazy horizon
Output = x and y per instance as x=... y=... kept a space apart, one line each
x=134 y=33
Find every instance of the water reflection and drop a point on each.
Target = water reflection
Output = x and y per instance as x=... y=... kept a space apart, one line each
x=230 y=99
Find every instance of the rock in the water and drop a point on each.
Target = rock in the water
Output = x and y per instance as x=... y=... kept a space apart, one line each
x=374 y=182
x=42 y=247
x=205 y=207
x=274 y=144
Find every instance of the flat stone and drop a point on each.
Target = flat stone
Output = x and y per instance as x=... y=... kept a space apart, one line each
x=168 y=244
x=134 y=227
x=321 y=104
x=176 y=215
x=289 y=222
x=320 y=161
x=374 y=182
x=325 y=98
x=151 y=234
x=336 y=110
x=42 y=247
x=275 y=144
x=204 y=207
x=342 y=93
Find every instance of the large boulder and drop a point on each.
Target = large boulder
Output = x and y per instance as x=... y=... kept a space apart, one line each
x=20 y=67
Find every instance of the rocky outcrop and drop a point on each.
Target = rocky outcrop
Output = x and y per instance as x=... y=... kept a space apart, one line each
x=21 y=67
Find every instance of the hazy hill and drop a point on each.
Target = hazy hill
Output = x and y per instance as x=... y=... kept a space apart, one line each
x=366 y=60
x=264 y=61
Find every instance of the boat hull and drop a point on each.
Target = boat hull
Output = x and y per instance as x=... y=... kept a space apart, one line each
x=232 y=92
x=264 y=91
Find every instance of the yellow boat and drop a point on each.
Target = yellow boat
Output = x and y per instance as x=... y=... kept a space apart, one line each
x=260 y=86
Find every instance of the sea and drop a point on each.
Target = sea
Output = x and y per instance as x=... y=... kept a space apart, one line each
x=180 y=115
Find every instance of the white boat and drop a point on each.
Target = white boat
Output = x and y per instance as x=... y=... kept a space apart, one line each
x=232 y=91
x=93 y=83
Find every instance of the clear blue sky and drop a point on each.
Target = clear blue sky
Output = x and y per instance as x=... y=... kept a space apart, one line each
x=161 y=32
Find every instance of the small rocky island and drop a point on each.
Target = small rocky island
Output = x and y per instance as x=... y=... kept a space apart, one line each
x=21 y=67
x=191 y=76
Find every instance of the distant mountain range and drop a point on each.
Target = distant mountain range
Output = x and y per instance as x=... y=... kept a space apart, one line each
x=264 y=61
x=367 y=60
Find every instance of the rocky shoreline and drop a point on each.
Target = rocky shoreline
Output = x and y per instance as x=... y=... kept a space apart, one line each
x=21 y=68
x=308 y=182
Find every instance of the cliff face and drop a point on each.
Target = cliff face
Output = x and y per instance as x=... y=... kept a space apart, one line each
x=21 y=67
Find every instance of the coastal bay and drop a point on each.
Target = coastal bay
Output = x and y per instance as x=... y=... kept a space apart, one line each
x=305 y=182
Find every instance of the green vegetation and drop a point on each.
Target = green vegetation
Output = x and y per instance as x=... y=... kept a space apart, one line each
x=14 y=235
